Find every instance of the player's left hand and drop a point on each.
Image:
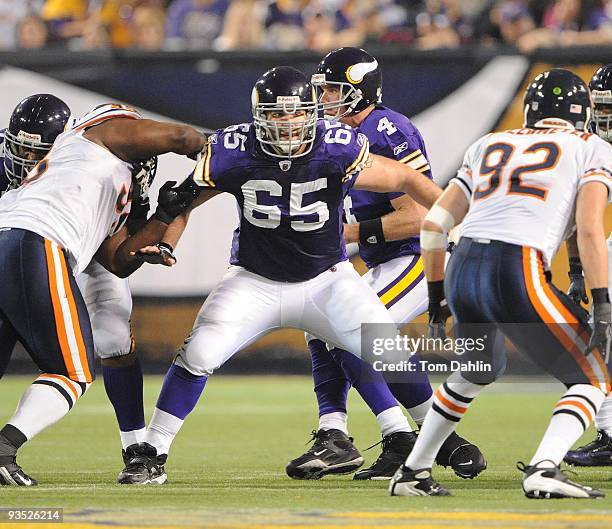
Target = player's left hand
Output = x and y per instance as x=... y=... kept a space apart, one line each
x=577 y=290
x=438 y=310
x=602 y=329
x=161 y=253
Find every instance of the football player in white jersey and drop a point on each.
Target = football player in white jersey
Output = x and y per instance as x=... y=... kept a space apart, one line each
x=516 y=193
x=33 y=126
x=599 y=451
x=71 y=207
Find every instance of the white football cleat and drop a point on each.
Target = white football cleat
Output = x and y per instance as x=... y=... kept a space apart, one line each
x=544 y=480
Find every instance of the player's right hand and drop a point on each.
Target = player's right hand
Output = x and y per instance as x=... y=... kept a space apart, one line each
x=602 y=329
x=172 y=201
x=577 y=290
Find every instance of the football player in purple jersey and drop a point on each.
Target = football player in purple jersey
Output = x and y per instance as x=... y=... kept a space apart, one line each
x=289 y=173
x=386 y=226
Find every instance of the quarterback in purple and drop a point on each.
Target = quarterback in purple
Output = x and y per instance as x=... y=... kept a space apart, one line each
x=289 y=174
x=386 y=226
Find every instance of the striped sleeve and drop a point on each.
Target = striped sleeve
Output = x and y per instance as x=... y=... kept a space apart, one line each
x=201 y=173
x=417 y=160
x=104 y=113
x=463 y=178
x=598 y=166
x=357 y=164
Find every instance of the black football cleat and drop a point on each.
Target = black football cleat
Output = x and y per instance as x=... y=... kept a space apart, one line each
x=598 y=453
x=332 y=452
x=12 y=475
x=395 y=449
x=143 y=467
x=465 y=458
x=544 y=481
x=408 y=482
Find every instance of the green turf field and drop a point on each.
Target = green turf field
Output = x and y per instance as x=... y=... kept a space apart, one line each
x=226 y=468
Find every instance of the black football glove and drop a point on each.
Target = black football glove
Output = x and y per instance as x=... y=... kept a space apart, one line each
x=602 y=323
x=172 y=201
x=577 y=290
x=438 y=310
x=165 y=250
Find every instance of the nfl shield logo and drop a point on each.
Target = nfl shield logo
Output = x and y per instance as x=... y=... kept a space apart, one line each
x=285 y=165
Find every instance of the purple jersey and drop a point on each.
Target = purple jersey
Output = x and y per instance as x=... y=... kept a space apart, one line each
x=391 y=135
x=290 y=212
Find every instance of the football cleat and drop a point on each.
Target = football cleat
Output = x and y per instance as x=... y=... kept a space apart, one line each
x=465 y=458
x=332 y=452
x=544 y=480
x=395 y=449
x=598 y=453
x=143 y=466
x=11 y=474
x=408 y=482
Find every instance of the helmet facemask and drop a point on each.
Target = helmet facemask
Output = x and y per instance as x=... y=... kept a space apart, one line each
x=283 y=138
x=344 y=105
x=602 y=114
x=15 y=148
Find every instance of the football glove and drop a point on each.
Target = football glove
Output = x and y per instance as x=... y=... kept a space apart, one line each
x=577 y=290
x=172 y=201
x=165 y=251
x=602 y=323
x=438 y=310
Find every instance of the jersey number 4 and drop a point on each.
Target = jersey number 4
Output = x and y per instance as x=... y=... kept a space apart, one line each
x=269 y=216
x=501 y=153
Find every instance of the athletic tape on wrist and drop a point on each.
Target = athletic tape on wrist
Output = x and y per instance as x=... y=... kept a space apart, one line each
x=433 y=240
x=440 y=216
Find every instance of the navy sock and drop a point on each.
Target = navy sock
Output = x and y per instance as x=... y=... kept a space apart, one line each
x=413 y=389
x=330 y=383
x=180 y=392
x=369 y=383
x=124 y=389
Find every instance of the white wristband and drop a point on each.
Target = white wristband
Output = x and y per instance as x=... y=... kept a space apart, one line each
x=433 y=240
x=440 y=216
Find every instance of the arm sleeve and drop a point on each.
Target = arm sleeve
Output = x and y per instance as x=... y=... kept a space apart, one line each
x=208 y=171
x=463 y=178
x=357 y=154
x=598 y=165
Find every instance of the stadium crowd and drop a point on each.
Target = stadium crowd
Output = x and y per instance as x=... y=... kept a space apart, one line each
x=301 y=24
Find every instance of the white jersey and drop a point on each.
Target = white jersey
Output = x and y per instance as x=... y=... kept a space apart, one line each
x=522 y=184
x=78 y=195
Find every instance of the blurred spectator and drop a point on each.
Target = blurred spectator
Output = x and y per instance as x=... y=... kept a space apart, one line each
x=509 y=20
x=442 y=25
x=237 y=35
x=563 y=20
x=195 y=24
x=10 y=15
x=331 y=24
x=32 y=33
x=148 y=28
x=96 y=35
x=65 y=18
x=285 y=25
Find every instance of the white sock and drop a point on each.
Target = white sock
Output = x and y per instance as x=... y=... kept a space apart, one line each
x=132 y=437
x=45 y=402
x=603 y=419
x=162 y=430
x=451 y=401
x=392 y=420
x=336 y=420
x=571 y=417
x=419 y=412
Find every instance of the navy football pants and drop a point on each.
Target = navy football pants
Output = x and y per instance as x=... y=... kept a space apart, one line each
x=41 y=306
x=499 y=287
